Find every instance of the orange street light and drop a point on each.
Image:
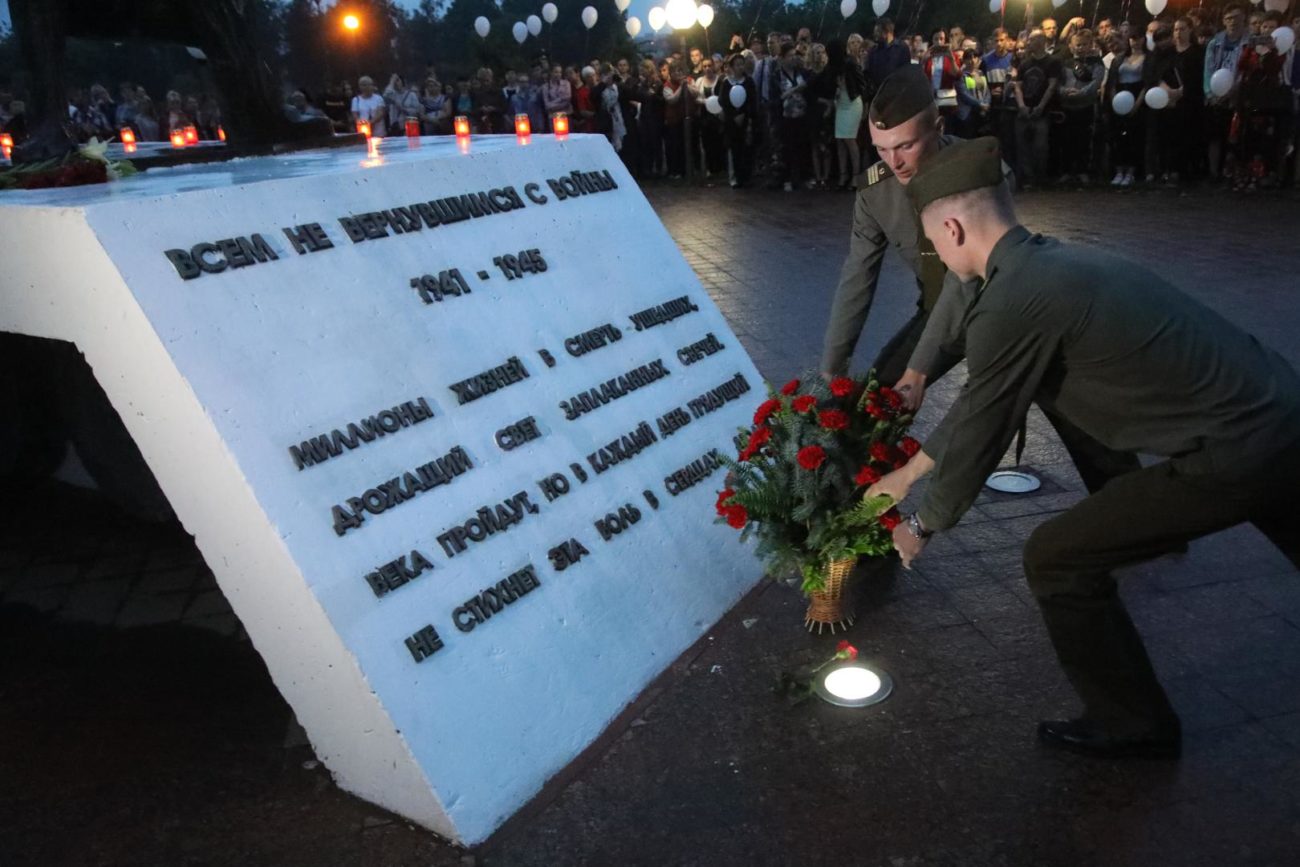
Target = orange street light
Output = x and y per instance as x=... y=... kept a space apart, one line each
x=351 y=22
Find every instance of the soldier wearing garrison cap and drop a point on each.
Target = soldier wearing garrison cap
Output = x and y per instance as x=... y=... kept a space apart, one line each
x=1116 y=351
x=906 y=130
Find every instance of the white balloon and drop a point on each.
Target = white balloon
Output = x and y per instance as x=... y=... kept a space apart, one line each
x=1057 y=4
x=713 y=105
x=520 y=30
x=995 y=6
x=880 y=7
x=737 y=96
x=633 y=26
x=550 y=13
x=1157 y=98
x=705 y=15
x=534 y=25
x=482 y=26
x=681 y=14
x=1221 y=82
x=1256 y=2
x=1155 y=7
x=622 y=4
x=1123 y=102
x=848 y=7
x=589 y=17
x=656 y=16
x=1283 y=39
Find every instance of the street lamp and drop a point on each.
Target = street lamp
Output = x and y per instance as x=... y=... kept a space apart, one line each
x=351 y=24
x=682 y=15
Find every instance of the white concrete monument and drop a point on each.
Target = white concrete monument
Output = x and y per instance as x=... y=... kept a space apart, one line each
x=441 y=419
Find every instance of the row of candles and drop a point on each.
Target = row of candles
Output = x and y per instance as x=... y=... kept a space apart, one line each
x=460 y=125
x=180 y=138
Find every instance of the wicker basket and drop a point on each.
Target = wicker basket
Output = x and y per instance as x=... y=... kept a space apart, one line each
x=831 y=605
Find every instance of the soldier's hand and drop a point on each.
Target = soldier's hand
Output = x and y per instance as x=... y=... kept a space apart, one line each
x=912 y=387
x=908 y=546
x=895 y=486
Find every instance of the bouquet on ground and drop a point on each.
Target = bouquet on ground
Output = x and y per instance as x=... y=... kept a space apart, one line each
x=798 y=481
x=87 y=164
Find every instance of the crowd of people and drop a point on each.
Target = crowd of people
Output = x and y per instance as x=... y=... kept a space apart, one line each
x=787 y=110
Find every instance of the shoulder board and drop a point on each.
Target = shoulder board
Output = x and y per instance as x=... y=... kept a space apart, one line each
x=874 y=175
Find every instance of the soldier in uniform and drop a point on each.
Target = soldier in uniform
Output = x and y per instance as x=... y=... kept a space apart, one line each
x=1119 y=352
x=907 y=131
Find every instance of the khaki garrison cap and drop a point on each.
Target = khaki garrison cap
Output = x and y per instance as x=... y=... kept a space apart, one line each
x=958 y=168
x=905 y=93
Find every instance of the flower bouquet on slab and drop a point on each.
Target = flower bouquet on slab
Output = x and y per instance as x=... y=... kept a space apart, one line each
x=798 y=481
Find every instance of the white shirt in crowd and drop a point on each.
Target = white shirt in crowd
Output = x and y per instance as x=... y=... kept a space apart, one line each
x=374 y=109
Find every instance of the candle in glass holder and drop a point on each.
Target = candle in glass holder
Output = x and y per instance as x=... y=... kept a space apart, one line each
x=6 y=145
x=413 y=127
x=522 y=126
x=363 y=127
x=178 y=139
x=191 y=134
x=560 y=123
x=221 y=133
x=127 y=135
x=462 y=126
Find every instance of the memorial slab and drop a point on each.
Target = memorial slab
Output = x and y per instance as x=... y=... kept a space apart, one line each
x=442 y=419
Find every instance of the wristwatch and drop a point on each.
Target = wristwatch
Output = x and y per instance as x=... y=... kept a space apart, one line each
x=916 y=528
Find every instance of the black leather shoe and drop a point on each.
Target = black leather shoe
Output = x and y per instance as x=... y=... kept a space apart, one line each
x=1090 y=739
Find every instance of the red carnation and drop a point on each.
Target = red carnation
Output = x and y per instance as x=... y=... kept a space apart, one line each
x=811 y=457
x=909 y=446
x=844 y=650
x=790 y=387
x=892 y=399
x=833 y=419
x=842 y=386
x=866 y=476
x=882 y=452
x=723 y=496
x=737 y=517
x=804 y=403
x=877 y=411
x=759 y=436
x=746 y=453
x=890 y=519
x=765 y=410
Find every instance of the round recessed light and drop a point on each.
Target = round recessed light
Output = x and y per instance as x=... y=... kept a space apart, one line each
x=853 y=685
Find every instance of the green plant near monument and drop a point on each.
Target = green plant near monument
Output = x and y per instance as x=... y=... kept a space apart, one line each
x=797 y=483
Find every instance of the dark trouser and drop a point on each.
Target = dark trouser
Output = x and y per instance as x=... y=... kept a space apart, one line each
x=1140 y=515
x=740 y=153
x=1076 y=142
x=794 y=148
x=675 y=148
x=1032 y=146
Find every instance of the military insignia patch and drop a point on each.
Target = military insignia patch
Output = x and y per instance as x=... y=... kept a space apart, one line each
x=877 y=173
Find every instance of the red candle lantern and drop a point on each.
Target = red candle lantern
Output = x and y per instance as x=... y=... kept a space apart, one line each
x=6 y=145
x=178 y=139
x=462 y=126
x=522 y=126
x=191 y=134
x=127 y=135
x=413 y=127
x=363 y=127
x=560 y=123
x=221 y=133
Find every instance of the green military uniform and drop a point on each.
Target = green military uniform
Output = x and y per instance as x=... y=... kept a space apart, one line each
x=1117 y=351
x=884 y=218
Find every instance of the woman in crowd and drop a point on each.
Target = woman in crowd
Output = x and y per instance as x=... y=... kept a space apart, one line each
x=557 y=93
x=1163 y=127
x=677 y=101
x=1188 y=135
x=1126 y=139
x=435 y=102
x=739 y=119
x=849 y=87
x=650 y=119
x=403 y=102
x=710 y=124
x=584 y=108
x=973 y=99
x=1264 y=107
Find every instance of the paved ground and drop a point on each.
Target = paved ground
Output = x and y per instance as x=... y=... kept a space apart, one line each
x=137 y=727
